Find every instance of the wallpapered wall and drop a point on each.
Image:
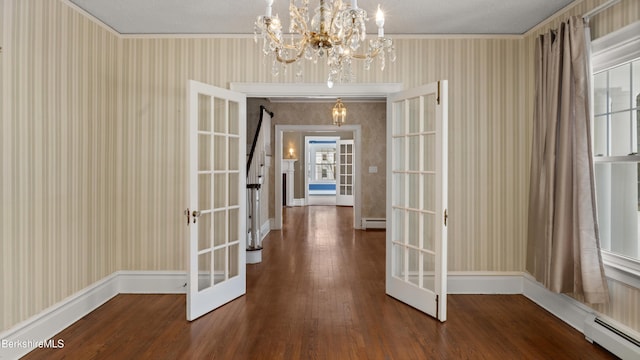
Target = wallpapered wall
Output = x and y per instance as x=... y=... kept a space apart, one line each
x=94 y=143
x=58 y=166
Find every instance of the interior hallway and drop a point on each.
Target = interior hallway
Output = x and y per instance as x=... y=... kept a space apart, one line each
x=319 y=294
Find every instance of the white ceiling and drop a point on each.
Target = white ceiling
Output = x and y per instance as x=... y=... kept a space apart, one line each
x=404 y=17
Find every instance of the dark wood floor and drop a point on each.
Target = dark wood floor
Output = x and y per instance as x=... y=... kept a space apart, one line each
x=319 y=294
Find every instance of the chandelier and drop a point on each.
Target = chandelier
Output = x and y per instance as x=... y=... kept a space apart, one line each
x=339 y=113
x=337 y=32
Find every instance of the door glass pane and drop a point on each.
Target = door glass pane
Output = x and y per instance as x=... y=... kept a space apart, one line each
x=414 y=115
x=234 y=225
x=428 y=268
x=234 y=114
x=204 y=152
x=204 y=231
x=430 y=112
x=234 y=260
x=414 y=153
x=234 y=181
x=414 y=228
x=204 y=271
x=220 y=113
x=429 y=192
x=398 y=154
x=620 y=87
x=398 y=125
x=398 y=261
x=429 y=157
x=234 y=161
x=220 y=191
x=219 y=265
x=414 y=191
x=414 y=266
x=204 y=192
x=398 y=225
x=220 y=153
x=428 y=232
x=398 y=189
x=219 y=228
x=204 y=112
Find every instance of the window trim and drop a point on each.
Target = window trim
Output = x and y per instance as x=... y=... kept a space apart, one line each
x=607 y=52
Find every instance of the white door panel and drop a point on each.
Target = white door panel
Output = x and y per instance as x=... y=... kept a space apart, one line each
x=344 y=168
x=417 y=198
x=217 y=198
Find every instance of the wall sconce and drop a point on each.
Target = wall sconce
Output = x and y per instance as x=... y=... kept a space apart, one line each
x=290 y=153
x=339 y=113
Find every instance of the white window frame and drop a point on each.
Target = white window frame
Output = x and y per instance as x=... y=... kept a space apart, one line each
x=607 y=52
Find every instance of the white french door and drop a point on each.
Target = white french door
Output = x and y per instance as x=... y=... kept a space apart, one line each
x=344 y=176
x=416 y=255
x=217 y=204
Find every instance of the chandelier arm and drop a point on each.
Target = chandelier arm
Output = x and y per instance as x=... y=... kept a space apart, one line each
x=294 y=12
x=334 y=14
x=374 y=53
x=283 y=45
x=297 y=57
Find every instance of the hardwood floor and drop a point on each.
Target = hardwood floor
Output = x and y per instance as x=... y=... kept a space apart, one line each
x=319 y=294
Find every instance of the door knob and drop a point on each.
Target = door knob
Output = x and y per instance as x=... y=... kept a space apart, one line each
x=195 y=215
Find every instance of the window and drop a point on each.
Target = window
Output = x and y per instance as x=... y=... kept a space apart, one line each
x=616 y=110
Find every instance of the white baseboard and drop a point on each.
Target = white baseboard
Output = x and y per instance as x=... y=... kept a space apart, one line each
x=374 y=223
x=51 y=321
x=24 y=337
x=299 y=202
x=265 y=228
x=151 y=282
x=484 y=282
x=562 y=306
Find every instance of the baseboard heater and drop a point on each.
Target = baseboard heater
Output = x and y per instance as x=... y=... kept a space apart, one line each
x=374 y=223
x=610 y=337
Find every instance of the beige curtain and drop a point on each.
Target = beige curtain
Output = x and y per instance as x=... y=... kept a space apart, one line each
x=563 y=249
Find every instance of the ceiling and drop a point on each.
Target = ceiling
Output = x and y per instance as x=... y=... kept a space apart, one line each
x=406 y=17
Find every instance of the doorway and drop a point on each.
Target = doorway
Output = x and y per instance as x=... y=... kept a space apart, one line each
x=317 y=91
x=282 y=132
x=320 y=169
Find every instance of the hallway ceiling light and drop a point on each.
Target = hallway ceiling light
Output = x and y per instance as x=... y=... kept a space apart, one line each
x=337 y=31
x=339 y=113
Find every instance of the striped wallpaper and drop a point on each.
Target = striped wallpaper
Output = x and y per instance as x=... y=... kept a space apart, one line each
x=58 y=157
x=93 y=144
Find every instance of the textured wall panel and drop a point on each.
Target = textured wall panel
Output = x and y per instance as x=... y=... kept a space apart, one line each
x=58 y=167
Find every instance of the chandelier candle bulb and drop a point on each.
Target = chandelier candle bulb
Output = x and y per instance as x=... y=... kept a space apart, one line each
x=269 y=4
x=380 y=22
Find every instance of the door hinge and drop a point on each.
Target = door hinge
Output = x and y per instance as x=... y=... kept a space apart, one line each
x=438 y=98
x=446 y=217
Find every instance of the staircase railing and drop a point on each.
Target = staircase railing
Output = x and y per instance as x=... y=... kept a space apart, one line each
x=255 y=178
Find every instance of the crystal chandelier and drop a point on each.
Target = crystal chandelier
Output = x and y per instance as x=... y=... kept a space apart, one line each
x=339 y=113
x=337 y=31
